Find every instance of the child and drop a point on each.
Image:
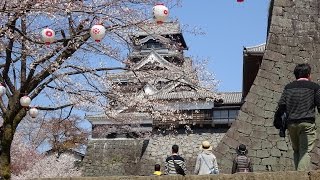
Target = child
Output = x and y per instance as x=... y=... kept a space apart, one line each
x=157 y=171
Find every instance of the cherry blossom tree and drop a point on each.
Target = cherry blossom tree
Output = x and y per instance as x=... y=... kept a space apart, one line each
x=55 y=133
x=68 y=73
x=23 y=154
x=51 y=166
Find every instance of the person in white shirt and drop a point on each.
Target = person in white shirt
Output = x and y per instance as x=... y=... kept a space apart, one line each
x=206 y=161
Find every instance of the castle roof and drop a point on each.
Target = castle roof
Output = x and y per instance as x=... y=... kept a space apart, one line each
x=231 y=97
x=153 y=28
x=258 y=49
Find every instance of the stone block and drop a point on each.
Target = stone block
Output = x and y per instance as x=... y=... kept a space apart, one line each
x=259 y=134
x=275 y=152
x=266 y=144
x=269 y=161
x=244 y=127
x=255 y=144
x=283 y=3
x=282 y=145
x=263 y=153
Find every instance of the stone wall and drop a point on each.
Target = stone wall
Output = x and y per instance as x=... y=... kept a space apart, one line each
x=138 y=157
x=293 y=37
x=292 y=175
x=107 y=157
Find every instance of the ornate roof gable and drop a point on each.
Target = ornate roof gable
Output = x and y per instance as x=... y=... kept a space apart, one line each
x=156 y=60
x=179 y=85
x=153 y=37
x=183 y=89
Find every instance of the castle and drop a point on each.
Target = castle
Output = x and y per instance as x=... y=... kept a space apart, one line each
x=159 y=90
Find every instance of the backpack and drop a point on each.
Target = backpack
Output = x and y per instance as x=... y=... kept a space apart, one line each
x=178 y=168
x=243 y=163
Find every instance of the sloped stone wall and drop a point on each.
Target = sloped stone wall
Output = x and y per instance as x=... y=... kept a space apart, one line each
x=293 y=37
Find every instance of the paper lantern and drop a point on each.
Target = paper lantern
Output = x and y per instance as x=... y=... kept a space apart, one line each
x=33 y=112
x=160 y=13
x=48 y=36
x=2 y=90
x=98 y=32
x=25 y=101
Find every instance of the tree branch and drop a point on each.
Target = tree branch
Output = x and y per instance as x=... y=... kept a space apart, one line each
x=23 y=51
x=5 y=72
x=34 y=65
x=36 y=80
x=54 y=108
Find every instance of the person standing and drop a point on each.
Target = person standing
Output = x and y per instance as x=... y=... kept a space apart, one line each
x=242 y=163
x=298 y=101
x=175 y=164
x=206 y=161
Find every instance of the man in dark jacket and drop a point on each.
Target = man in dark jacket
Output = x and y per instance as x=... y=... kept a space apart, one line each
x=298 y=101
x=175 y=164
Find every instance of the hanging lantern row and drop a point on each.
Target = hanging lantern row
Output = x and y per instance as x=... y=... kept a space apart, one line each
x=160 y=13
x=25 y=102
x=97 y=33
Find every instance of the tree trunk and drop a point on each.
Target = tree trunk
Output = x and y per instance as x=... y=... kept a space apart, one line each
x=6 y=140
x=10 y=123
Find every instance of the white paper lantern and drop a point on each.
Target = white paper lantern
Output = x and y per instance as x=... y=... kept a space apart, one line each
x=2 y=90
x=33 y=112
x=160 y=13
x=98 y=32
x=25 y=101
x=48 y=36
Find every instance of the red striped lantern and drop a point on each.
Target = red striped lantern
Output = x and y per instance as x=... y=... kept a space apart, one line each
x=98 y=32
x=47 y=36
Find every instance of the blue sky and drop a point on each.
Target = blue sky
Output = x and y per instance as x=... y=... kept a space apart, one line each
x=228 y=26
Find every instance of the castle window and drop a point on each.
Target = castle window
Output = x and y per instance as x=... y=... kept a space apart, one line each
x=225 y=116
x=152 y=44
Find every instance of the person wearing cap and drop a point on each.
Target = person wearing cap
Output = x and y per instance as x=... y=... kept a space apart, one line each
x=242 y=163
x=206 y=160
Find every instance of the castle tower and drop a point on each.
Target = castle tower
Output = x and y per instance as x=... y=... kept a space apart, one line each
x=159 y=72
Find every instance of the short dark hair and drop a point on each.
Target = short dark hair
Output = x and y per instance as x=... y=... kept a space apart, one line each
x=175 y=148
x=302 y=70
x=157 y=167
